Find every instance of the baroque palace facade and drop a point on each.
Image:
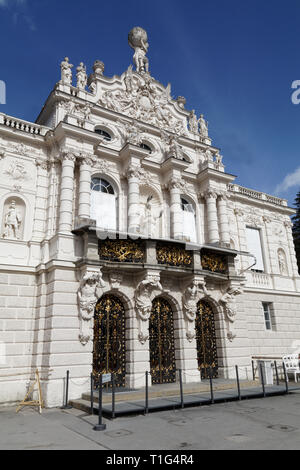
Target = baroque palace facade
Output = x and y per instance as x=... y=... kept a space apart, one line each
x=126 y=247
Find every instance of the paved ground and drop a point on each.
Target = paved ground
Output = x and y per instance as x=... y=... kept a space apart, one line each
x=270 y=423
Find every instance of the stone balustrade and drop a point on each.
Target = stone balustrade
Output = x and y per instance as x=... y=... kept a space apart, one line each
x=21 y=125
x=235 y=188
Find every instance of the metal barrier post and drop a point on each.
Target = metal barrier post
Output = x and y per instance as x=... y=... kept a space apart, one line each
x=262 y=379
x=66 y=406
x=146 y=394
x=253 y=370
x=113 y=396
x=285 y=378
x=276 y=371
x=211 y=386
x=92 y=394
x=238 y=382
x=100 y=426
x=181 y=389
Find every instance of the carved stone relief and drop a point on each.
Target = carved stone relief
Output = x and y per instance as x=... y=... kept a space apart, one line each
x=90 y=290
x=145 y=292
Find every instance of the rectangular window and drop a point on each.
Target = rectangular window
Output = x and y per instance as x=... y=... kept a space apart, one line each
x=267 y=315
x=254 y=247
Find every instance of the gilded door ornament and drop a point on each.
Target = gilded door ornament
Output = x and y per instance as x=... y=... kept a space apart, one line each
x=206 y=340
x=109 y=339
x=145 y=292
x=162 y=353
x=173 y=255
x=125 y=251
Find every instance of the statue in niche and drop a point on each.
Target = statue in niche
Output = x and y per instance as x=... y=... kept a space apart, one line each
x=66 y=71
x=193 y=122
x=282 y=263
x=81 y=76
x=12 y=222
x=149 y=220
x=175 y=149
x=138 y=40
x=90 y=290
x=203 y=126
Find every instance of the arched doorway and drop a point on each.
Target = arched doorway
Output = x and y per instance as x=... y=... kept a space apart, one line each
x=161 y=340
x=109 y=338
x=206 y=340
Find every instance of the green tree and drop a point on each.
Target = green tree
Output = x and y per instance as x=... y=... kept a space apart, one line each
x=296 y=229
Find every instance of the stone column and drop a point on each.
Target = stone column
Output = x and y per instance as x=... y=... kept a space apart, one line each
x=223 y=219
x=176 y=228
x=133 y=175
x=212 y=217
x=84 y=203
x=66 y=192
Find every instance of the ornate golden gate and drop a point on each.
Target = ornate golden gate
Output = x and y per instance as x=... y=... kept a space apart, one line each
x=109 y=339
x=162 y=354
x=206 y=340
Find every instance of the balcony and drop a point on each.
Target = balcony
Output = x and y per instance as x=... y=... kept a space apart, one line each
x=132 y=252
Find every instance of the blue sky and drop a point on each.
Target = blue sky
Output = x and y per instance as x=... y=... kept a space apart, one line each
x=233 y=60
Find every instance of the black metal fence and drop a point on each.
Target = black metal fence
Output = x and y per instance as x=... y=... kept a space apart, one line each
x=179 y=398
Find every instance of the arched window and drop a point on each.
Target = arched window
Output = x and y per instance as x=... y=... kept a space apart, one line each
x=189 y=221
x=104 y=134
x=103 y=204
x=146 y=147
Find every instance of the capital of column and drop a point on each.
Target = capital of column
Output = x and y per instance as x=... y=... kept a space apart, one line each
x=223 y=196
x=67 y=155
x=133 y=171
x=87 y=159
x=175 y=183
x=208 y=194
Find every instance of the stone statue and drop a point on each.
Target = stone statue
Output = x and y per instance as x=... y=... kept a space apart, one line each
x=66 y=72
x=12 y=222
x=230 y=309
x=193 y=122
x=90 y=290
x=282 y=263
x=190 y=299
x=81 y=76
x=143 y=303
x=203 y=126
x=175 y=150
x=128 y=80
x=138 y=40
x=133 y=133
x=149 y=220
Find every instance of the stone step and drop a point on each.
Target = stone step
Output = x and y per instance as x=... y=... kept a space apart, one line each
x=161 y=391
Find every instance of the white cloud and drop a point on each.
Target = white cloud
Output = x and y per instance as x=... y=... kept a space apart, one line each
x=5 y=3
x=292 y=179
x=19 y=14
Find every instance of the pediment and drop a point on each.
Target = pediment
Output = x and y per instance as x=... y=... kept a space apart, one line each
x=141 y=97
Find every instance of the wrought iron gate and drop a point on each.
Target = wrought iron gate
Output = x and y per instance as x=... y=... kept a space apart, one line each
x=206 y=340
x=162 y=354
x=109 y=339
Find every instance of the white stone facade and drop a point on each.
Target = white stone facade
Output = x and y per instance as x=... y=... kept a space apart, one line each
x=51 y=274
